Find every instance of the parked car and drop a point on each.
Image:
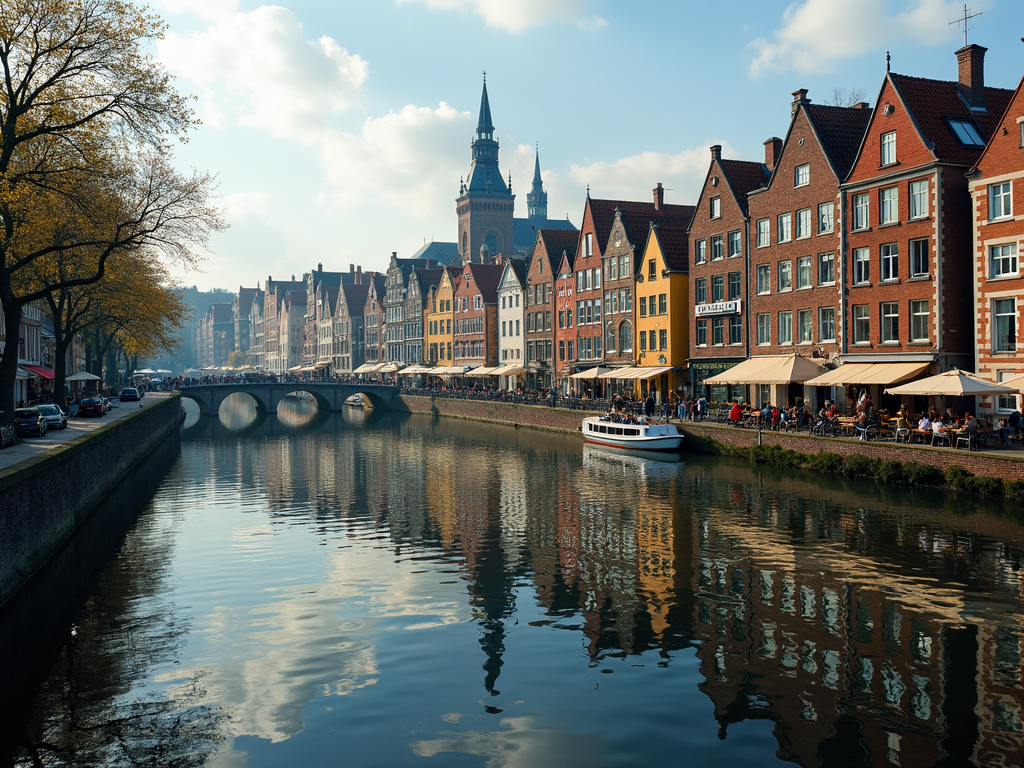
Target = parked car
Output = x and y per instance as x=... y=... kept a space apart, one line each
x=55 y=417
x=7 y=433
x=106 y=404
x=29 y=421
x=91 y=406
x=129 y=394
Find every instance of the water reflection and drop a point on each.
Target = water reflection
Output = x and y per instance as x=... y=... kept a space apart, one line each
x=422 y=588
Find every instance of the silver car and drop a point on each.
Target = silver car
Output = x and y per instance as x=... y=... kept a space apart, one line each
x=55 y=417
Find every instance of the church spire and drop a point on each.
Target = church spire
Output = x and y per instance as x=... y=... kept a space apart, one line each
x=484 y=126
x=537 y=198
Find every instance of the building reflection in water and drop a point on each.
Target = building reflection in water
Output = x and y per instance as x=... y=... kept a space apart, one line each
x=860 y=632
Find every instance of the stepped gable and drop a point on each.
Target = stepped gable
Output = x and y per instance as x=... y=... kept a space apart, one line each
x=929 y=102
x=743 y=177
x=673 y=240
x=840 y=132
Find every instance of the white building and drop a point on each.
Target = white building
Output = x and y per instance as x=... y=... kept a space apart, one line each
x=511 y=318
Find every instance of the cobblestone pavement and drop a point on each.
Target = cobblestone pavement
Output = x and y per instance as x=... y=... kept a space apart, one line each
x=31 y=447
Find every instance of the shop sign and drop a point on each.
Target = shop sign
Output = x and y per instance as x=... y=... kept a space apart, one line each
x=719 y=308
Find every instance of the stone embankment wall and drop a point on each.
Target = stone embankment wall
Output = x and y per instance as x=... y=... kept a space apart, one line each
x=702 y=437
x=43 y=500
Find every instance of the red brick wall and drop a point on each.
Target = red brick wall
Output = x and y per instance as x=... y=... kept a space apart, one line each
x=910 y=150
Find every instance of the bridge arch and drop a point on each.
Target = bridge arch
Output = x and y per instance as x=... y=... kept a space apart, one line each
x=330 y=397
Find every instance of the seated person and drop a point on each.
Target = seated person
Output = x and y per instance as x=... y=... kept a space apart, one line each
x=902 y=422
x=925 y=424
x=937 y=426
x=736 y=413
x=1010 y=428
x=971 y=425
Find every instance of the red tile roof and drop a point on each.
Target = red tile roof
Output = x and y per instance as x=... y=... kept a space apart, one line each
x=929 y=102
x=638 y=223
x=674 y=245
x=840 y=131
x=603 y=214
x=558 y=240
x=744 y=176
x=487 y=277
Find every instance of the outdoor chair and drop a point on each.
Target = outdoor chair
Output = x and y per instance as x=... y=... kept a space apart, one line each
x=939 y=439
x=965 y=440
x=901 y=435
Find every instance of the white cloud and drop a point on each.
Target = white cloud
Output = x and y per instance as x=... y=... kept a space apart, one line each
x=633 y=177
x=257 y=68
x=818 y=33
x=518 y=15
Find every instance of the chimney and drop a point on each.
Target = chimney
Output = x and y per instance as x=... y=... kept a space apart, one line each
x=359 y=269
x=772 y=150
x=320 y=267
x=351 y=267
x=716 y=151
x=659 y=198
x=971 y=64
x=799 y=97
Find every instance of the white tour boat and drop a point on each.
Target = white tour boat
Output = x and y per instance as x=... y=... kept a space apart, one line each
x=636 y=436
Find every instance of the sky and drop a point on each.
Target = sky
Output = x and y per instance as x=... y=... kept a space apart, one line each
x=338 y=130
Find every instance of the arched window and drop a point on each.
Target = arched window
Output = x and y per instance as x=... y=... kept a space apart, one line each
x=626 y=336
x=493 y=243
x=609 y=336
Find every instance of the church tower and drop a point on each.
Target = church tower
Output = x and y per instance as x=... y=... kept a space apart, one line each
x=537 y=199
x=485 y=204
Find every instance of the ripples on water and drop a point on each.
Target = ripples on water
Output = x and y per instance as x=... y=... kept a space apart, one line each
x=360 y=590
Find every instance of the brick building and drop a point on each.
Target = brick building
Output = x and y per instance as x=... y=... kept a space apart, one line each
x=348 y=327
x=374 y=324
x=907 y=221
x=719 y=263
x=475 y=322
x=565 y=324
x=539 y=339
x=996 y=185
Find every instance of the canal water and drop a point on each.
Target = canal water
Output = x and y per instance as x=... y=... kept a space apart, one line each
x=364 y=589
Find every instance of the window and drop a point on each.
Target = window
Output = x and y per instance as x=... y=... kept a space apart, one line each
x=889 y=211
x=699 y=251
x=803 y=272
x=734 y=244
x=652 y=270
x=1000 y=203
x=735 y=329
x=1006 y=402
x=702 y=333
x=919 y=320
x=734 y=286
x=718 y=331
x=626 y=336
x=1002 y=260
x=652 y=305
x=785 y=327
x=802 y=175
x=805 y=326
x=609 y=336
x=890 y=312
x=826 y=217
x=764 y=278
x=785 y=276
x=717 y=288
x=966 y=133
x=588 y=244
x=716 y=248
x=861 y=324
x=624 y=265
x=890 y=253
x=803 y=223
x=861 y=266
x=785 y=227
x=889 y=148
x=826 y=269
x=919 y=258
x=662 y=338
x=643 y=341
x=642 y=306
x=478 y=302
x=763 y=233
x=626 y=299
x=861 y=219
x=716 y=207
x=826 y=323
x=764 y=329
x=918 y=199
x=662 y=303
x=611 y=269
x=700 y=289
x=1004 y=316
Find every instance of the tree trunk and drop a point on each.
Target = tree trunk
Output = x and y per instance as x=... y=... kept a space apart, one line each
x=9 y=360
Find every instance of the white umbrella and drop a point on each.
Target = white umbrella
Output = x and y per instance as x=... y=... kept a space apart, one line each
x=953 y=383
x=82 y=376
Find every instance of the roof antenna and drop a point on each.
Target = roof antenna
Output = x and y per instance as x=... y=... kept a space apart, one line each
x=887 y=57
x=965 y=21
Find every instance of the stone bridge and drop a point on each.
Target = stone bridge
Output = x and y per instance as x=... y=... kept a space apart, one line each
x=328 y=396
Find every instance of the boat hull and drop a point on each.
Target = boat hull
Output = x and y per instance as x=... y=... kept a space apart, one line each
x=638 y=437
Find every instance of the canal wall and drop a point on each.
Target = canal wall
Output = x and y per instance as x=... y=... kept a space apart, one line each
x=512 y=414
x=44 y=499
x=702 y=438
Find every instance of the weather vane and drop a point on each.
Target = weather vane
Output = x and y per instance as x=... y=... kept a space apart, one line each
x=965 y=21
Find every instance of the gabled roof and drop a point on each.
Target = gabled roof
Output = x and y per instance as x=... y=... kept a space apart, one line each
x=673 y=242
x=330 y=297
x=1002 y=122
x=379 y=283
x=486 y=278
x=428 y=278
x=929 y=102
x=556 y=241
x=638 y=223
x=602 y=212
x=222 y=313
x=355 y=298
x=743 y=177
x=518 y=268
x=442 y=253
x=840 y=131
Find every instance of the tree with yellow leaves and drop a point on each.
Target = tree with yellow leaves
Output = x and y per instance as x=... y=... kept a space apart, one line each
x=87 y=119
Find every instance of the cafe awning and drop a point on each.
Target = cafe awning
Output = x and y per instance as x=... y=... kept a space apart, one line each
x=625 y=372
x=39 y=370
x=389 y=368
x=319 y=366
x=511 y=369
x=868 y=373
x=482 y=370
x=369 y=368
x=649 y=373
x=415 y=369
x=597 y=372
x=952 y=383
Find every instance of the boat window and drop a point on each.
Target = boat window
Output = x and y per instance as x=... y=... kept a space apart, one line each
x=632 y=431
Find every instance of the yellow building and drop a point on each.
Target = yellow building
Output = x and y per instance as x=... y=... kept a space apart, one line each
x=662 y=312
x=438 y=321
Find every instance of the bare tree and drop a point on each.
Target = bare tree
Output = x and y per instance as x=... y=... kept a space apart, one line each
x=843 y=97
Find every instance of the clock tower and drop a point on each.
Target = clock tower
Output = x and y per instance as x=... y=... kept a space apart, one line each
x=485 y=203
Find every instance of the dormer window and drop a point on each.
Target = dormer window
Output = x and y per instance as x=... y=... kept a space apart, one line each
x=966 y=132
